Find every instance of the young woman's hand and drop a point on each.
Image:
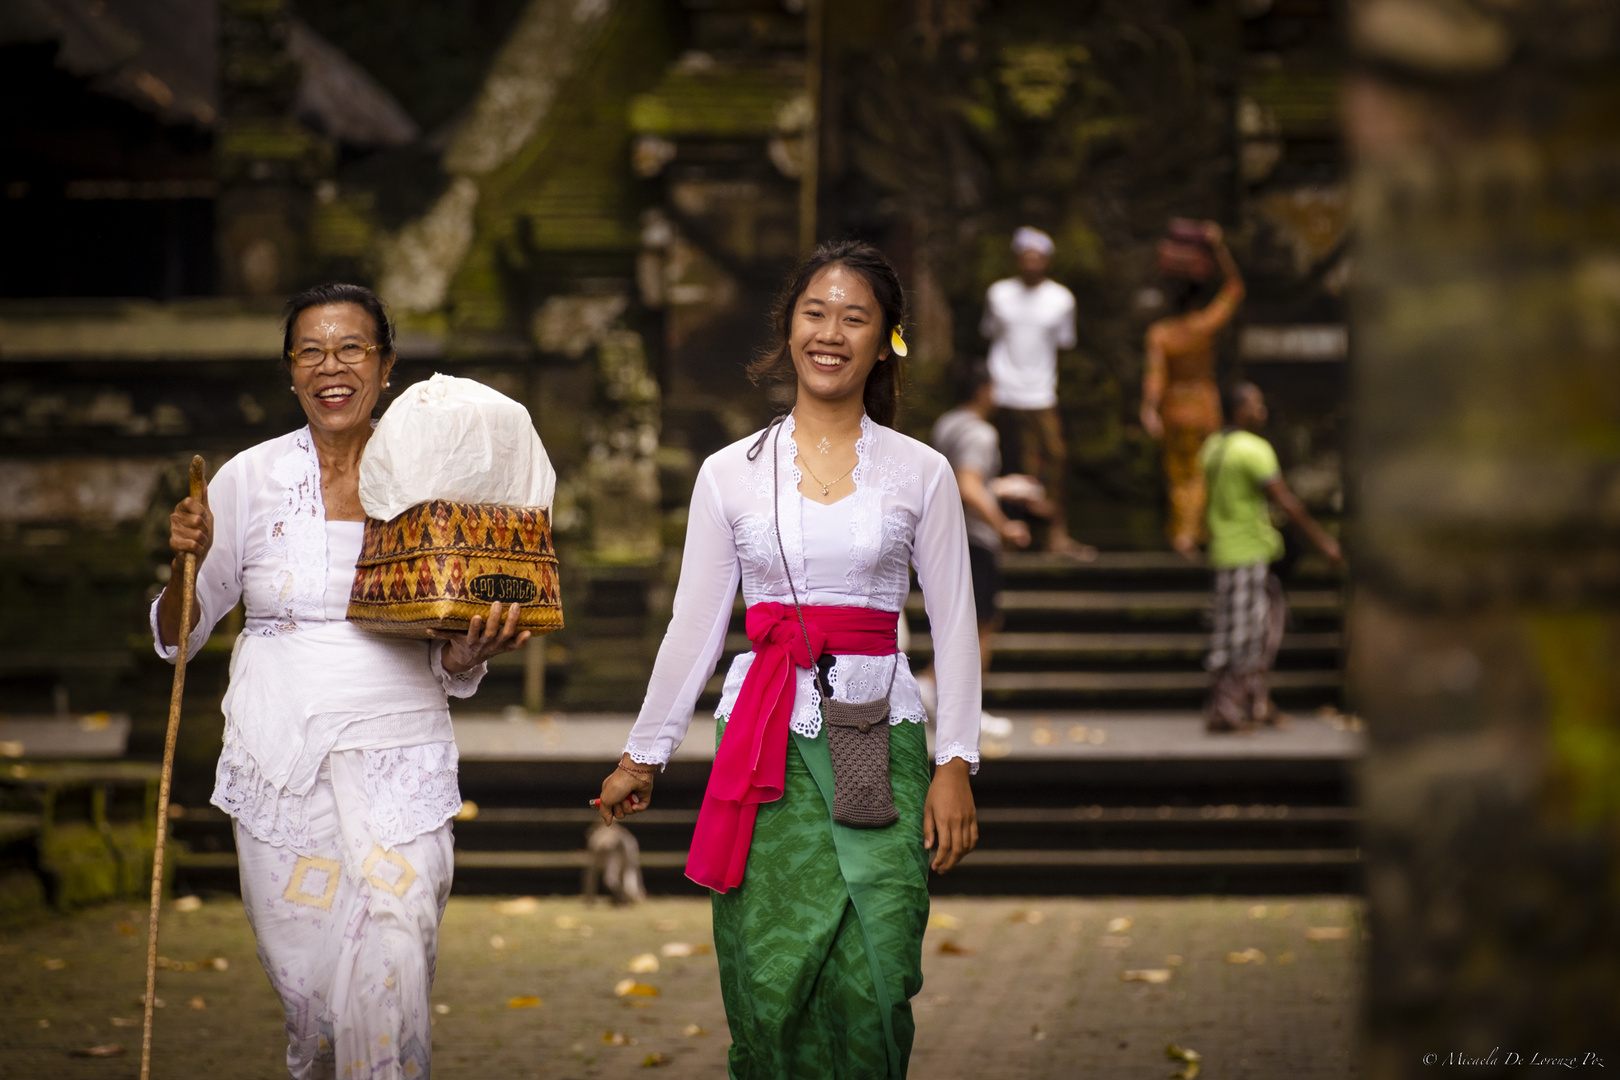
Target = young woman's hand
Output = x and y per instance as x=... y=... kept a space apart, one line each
x=949 y=817
x=627 y=790
x=485 y=638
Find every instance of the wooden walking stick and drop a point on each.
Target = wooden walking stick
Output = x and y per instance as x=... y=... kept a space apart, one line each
x=188 y=597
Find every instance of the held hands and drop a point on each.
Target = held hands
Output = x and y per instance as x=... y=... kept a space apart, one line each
x=949 y=816
x=1014 y=532
x=627 y=790
x=484 y=638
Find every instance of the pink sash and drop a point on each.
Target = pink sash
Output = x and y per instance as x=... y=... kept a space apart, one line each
x=750 y=767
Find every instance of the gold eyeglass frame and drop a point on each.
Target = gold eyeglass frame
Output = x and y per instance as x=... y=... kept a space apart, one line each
x=292 y=355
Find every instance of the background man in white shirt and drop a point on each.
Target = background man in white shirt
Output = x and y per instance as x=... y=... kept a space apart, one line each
x=1028 y=318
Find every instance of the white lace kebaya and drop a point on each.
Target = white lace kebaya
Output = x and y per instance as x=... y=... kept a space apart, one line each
x=304 y=681
x=906 y=511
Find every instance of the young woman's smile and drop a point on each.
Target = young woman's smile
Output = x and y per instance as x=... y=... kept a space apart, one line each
x=837 y=334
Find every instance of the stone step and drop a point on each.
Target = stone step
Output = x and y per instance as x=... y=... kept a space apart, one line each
x=1062 y=644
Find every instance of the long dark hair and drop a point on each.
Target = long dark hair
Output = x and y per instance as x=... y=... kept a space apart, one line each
x=774 y=364
x=337 y=293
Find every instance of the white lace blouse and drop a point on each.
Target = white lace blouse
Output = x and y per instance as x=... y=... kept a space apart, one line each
x=303 y=680
x=906 y=511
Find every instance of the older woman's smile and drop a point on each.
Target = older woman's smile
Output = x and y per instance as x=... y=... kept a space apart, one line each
x=336 y=396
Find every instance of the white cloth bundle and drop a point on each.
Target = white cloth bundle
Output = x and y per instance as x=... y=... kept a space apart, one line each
x=456 y=440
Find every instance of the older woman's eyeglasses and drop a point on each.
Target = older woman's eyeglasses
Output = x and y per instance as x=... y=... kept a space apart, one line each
x=350 y=353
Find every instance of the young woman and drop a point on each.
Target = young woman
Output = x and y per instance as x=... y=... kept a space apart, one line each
x=819 y=925
x=339 y=764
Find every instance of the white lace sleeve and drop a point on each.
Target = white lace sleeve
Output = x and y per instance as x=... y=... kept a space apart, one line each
x=219 y=577
x=464 y=685
x=697 y=629
x=941 y=557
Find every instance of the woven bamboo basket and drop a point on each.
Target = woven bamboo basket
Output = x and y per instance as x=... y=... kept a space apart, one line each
x=440 y=563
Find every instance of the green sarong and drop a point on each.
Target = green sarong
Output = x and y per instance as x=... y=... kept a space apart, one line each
x=820 y=947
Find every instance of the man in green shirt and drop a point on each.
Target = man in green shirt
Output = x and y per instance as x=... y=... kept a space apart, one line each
x=1241 y=474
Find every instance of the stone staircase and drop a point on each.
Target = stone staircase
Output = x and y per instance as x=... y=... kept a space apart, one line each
x=1108 y=783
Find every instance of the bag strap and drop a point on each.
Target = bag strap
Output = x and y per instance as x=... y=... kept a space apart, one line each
x=776 y=520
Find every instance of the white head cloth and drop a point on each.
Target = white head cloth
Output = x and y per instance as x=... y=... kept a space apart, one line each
x=1028 y=239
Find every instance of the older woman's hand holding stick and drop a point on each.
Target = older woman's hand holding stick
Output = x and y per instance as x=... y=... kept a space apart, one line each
x=191 y=530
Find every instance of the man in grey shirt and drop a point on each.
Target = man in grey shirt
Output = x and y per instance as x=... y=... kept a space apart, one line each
x=970 y=443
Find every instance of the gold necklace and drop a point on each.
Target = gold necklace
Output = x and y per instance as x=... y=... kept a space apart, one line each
x=817 y=479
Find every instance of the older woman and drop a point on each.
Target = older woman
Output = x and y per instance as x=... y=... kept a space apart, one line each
x=339 y=763
x=818 y=925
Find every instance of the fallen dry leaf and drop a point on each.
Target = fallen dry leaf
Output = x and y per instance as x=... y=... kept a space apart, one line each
x=1192 y=1061
x=1121 y=924
x=442 y=1009
x=1259 y=911
x=119 y=1021
x=653 y=1060
x=524 y=1001
x=522 y=905
x=681 y=948
x=614 y=1038
x=468 y=811
x=951 y=948
x=1036 y=1033
x=214 y=963
x=941 y=921
x=1285 y=911
x=631 y=988
x=1031 y=917
x=566 y=922
x=1174 y=960
x=1327 y=933
x=104 y=1050
x=497 y=942
x=126 y=928
x=645 y=964
x=1147 y=975
x=1285 y=958
x=1251 y=955
x=692 y=1031
x=187 y=903
x=1114 y=941
x=197 y=1003
x=44 y=1023
x=53 y=964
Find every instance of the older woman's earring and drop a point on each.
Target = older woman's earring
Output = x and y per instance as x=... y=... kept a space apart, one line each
x=897 y=342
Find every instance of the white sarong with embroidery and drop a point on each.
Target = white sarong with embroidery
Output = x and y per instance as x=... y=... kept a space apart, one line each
x=348 y=932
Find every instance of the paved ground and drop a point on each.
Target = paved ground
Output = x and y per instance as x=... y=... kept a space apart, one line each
x=1020 y=990
x=1067 y=735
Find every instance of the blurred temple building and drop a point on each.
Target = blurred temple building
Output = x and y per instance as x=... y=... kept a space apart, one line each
x=588 y=204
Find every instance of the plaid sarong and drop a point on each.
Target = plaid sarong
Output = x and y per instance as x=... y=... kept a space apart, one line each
x=1250 y=613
